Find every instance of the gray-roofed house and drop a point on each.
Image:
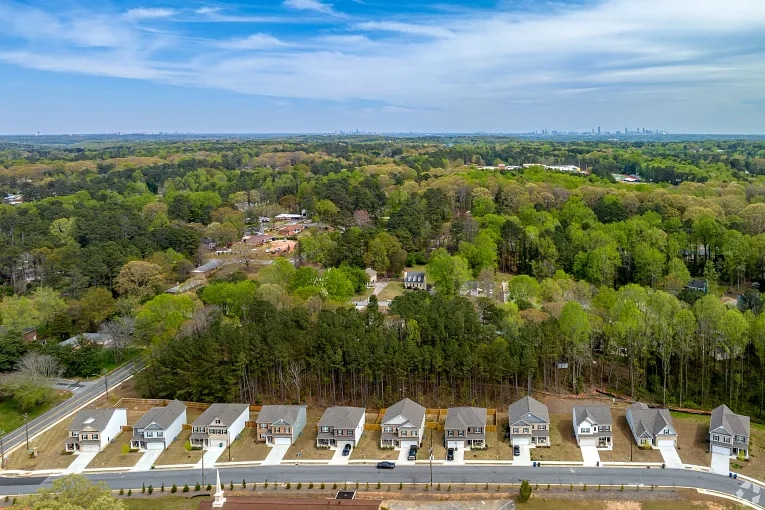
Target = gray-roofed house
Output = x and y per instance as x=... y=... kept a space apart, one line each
x=159 y=426
x=729 y=433
x=280 y=425
x=219 y=425
x=403 y=425
x=415 y=280
x=209 y=268
x=593 y=426
x=529 y=422
x=93 y=429
x=341 y=425
x=465 y=427
x=651 y=426
x=101 y=339
x=372 y=275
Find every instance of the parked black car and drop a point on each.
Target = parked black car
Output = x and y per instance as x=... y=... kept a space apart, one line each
x=450 y=454
x=516 y=450
x=347 y=450
x=412 y=453
x=386 y=465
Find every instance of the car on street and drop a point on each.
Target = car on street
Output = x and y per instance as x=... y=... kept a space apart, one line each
x=516 y=450
x=386 y=465
x=450 y=454
x=347 y=450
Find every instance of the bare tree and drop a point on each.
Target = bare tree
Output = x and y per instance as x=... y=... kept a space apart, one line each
x=293 y=379
x=37 y=366
x=122 y=331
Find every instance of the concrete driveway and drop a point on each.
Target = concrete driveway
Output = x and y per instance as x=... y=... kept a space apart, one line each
x=459 y=457
x=720 y=464
x=276 y=455
x=590 y=455
x=524 y=459
x=670 y=456
x=402 y=458
x=210 y=456
x=338 y=459
x=81 y=460
x=147 y=460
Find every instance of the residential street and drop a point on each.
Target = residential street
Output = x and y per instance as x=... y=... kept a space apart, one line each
x=82 y=394
x=416 y=474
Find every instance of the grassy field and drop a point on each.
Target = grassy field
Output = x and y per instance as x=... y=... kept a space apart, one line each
x=497 y=448
x=692 y=435
x=112 y=455
x=245 y=448
x=624 y=443
x=176 y=453
x=162 y=503
x=304 y=446
x=369 y=448
x=390 y=291
x=562 y=442
x=11 y=417
x=50 y=447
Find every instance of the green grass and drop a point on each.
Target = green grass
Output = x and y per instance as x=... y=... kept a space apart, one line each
x=163 y=502
x=107 y=360
x=11 y=417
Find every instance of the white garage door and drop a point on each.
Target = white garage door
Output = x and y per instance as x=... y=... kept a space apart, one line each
x=588 y=441
x=155 y=446
x=454 y=444
x=406 y=444
x=521 y=441
x=665 y=442
x=720 y=449
x=282 y=440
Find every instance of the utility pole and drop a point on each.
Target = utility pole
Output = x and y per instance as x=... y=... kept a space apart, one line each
x=204 y=482
x=26 y=429
x=106 y=383
x=430 y=456
x=2 y=450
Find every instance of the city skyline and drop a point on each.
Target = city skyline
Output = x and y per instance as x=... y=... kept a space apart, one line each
x=303 y=66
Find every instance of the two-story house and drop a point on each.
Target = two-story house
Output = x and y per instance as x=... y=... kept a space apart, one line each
x=593 y=426
x=219 y=425
x=415 y=280
x=465 y=427
x=340 y=426
x=280 y=425
x=403 y=425
x=156 y=429
x=651 y=427
x=529 y=423
x=729 y=432
x=91 y=430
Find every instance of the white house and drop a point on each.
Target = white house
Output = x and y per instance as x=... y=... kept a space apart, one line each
x=593 y=426
x=219 y=425
x=91 y=430
x=340 y=426
x=159 y=427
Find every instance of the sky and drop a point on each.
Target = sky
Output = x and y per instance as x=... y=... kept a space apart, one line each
x=316 y=66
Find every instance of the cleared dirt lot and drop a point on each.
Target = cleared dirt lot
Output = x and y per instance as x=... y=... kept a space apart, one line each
x=692 y=438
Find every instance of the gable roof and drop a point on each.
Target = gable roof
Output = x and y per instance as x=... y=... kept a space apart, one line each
x=414 y=276
x=598 y=415
x=92 y=419
x=735 y=424
x=646 y=420
x=464 y=417
x=99 y=338
x=227 y=413
x=272 y=414
x=342 y=417
x=162 y=416
x=525 y=406
x=404 y=412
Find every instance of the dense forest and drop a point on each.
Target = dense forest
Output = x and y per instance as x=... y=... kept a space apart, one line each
x=582 y=281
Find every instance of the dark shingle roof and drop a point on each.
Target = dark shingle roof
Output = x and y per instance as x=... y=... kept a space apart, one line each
x=735 y=424
x=525 y=406
x=227 y=413
x=273 y=413
x=645 y=419
x=599 y=415
x=414 y=276
x=91 y=419
x=409 y=411
x=162 y=416
x=342 y=417
x=464 y=417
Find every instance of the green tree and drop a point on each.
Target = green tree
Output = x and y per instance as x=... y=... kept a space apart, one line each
x=575 y=329
x=75 y=492
x=161 y=317
x=97 y=304
x=139 y=279
x=279 y=272
x=337 y=284
x=18 y=312
x=448 y=273
x=524 y=494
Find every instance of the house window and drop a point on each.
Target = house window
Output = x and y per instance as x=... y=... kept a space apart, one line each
x=414 y=433
x=388 y=429
x=479 y=430
x=160 y=434
x=740 y=439
x=217 y=422
x=715 y=438
x=665 y=432
x=264 y=425
x=541 y=427
x=339 y=432
x=525 y=430
x=402 y=433
x=450 y=433
x=263 y=436
x=277 y=430
x=516 y=430
x=325 y=429
x=605 y=428
x=84 y=437
x=287 y=430
x=94 y=436
x=726 y=439
x=75 y=433
x=148 y=434
x=462 y=433
x=584 y=430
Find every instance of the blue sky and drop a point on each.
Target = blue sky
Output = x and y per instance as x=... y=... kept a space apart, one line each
x=694 y=66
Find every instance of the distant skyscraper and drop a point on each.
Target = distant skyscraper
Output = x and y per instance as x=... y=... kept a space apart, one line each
x=598 y=130
x=626 y=131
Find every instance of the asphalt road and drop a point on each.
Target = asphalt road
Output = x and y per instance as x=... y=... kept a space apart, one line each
x=411 y=474
x=83 y=394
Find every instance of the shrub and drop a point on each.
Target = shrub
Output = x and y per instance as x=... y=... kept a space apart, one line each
x=288 y=486
x=150 y=489
x=299 y=485
x=378 y=484
x=310 y=485
x=125 y=449
x=244 y=484
x=231 y=485
x=400 y=486
x=322 y=485
x=438 y=487
x=185 y=487
x=209 y=487
x=584 y=486
x=162 y=489
x=334 y=485
x=187 y=446
x=197 y=487
x=265 y=484
x=143 y=488
x=122 y=493
x=449 y=488
x=173 y=489
x=130 y=492
x=524 y=494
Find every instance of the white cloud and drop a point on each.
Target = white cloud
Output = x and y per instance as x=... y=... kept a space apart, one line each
x=405 y=28
x=253 y=42
x=141 y=13
x=309 y=5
